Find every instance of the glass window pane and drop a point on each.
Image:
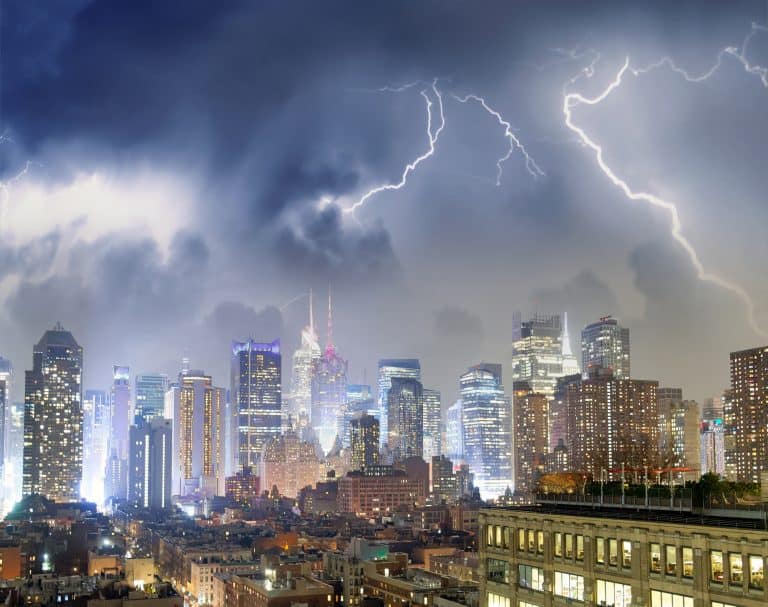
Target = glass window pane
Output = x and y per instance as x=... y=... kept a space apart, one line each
x=716 y=566
x=600 y=550
x=558 y=541
x=671 y=556
x=540 y=542
x=613 y=552
x=531 y=541
x=756 y=571
x=656 y=558
x=579 y=547
x=521 y=539
x=626 y=553
x=736 y=568
x=568 y=545
x=687 y=562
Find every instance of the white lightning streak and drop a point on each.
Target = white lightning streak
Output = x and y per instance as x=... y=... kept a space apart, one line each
x=432 y=137
x=514 y=143
x=572 y=100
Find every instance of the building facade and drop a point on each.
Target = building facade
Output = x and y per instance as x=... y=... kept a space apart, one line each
x=749 y=415
x=432 y=424
x=389 y=368
x=405 y=405
x=150 y=463
x=53 y=418
x=364 y=431
x=150 y=396
x=531 y=436
x=605 y=345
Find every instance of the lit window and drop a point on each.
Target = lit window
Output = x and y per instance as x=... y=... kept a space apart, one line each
x=496 y=600
x=611 y=594
x=568 y=546
x=736 y=567
x=521 y=539
x=687 y=562
x=756 y=571
x=558 y=544
x=671 y=560
x=540 y=542
x=626 y=553
x=530 y=577
x=569 y=585
x=716 y=566
x=613 y=552
x=600 y=550
x=579 y=547
x=531 y=540
x=655 y=558
x=669 y=599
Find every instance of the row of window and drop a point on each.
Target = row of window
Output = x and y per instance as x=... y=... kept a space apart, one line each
x=671 y=560
x=612 y=546
x=658 y=599
x=736 y=560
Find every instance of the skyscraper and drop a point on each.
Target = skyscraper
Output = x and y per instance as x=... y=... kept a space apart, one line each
x=96 y=430
x=432 y=424
x=198 y=434
x=531 y=436
x=150 y=395
x=360 y=401
x=405 y=404
x=305 y=358
x=486 y=418
x=537 y=353
x=329 y=391
x=121 y=411
x=679 y=429
x=150 y=463
x=256 y=397
x=389 y=368
x=6 y=373
x=364 y=437
x=612 y=423
x=712 y=446
x=53 y=418
x=454 y=432
x=749 y=394
x=605 y=345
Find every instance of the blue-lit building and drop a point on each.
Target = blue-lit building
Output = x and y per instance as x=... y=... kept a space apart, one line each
x=256 y=397
x=150 y=396
x=389 y=368
x=405 y=402
x=486 y=420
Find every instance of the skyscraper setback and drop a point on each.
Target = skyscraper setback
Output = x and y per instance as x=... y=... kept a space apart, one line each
x=53 y=418
x=256 y=397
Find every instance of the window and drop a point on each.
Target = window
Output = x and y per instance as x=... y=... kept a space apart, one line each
x=719 y=604
x=736 y=566
x=525 y=604
x=613 y=552
x=687 y=562
x=540 y=542
x=496 y=600
x=569 y=585
x=505 y=538
x=626 y=553
x=600 y=550
x=671 y=559
x=531 y=540
x=568 y=545
x=655 y=558
x=489 y=538
x=497 y=571
x=669 y=599
x=558 y=544
x=498 y=536
x=716 y=566
x=579 y=547
x=530 y=577
x=611 y=594
x=755 y=571
x=521 y=539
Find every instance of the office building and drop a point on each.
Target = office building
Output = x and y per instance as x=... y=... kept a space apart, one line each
x=445 y=485
x=537 y=352
x=679 y=430
x=549 y=555
x=432 y=424
x=305 y=359
x=487 y=428
x=198 y=435
x=530 y=436
x=388 y=368
x=360 y=401
x=380 y=492
x=256 y=397
x=6 y=374
x=53 y=418
x=612 y=423
x=120 y=417
x=748 y=413
x=712 y=446
x=405 y=406
x=364 y=431
x=290 y=464
x=605 y=345
x=150 y=396
x=454 y=432
x=150 y=463
x=96 y=430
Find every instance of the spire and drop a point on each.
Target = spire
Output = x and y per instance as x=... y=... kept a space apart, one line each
x=311 y=313
x=566 y=339
x=329 y=346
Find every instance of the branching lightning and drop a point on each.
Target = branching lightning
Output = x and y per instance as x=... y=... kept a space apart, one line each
x=573 y=100
x=514 y=143
x=432 y=137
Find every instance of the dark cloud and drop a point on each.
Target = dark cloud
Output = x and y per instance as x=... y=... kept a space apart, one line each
x=451 y=321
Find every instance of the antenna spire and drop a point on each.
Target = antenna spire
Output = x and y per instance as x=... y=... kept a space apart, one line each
x=311 y=314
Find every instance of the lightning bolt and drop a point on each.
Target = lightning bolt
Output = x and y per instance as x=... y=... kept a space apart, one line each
x=573 y=100
x=432 y=138
x=514 y=143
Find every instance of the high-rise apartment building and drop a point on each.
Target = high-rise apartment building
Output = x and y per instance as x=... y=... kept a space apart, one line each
x=487 y=428
x=612 y=423
x=605 y=345
x=150 y=396
x=712 y=446
x=364 y=434
x=530 y=435
x=53 y=418
x=198 y=435
x=150 y=463
x=256 y=397
x=679 y=429
x=405 y=404
x=432 y=424
x=389 y=368
x=749 y=415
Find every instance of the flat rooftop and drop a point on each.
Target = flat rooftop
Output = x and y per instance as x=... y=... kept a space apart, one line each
x=756 y=519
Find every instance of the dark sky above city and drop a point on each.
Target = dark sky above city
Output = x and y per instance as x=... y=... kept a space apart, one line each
x=187 y=163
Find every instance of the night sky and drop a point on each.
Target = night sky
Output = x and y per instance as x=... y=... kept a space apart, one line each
x=188 y=163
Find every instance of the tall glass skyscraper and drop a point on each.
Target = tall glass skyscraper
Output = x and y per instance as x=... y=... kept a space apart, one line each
x=305 y=359
x=121 y=407
x=405 y=404
x=486 y=416
x=389 y=368
x=53 y=418
x=454 y=432
x=256 y=397
x=150 y=396
x=538 y=353
x=605 y=345
x=96 y=429
x=432 y=424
